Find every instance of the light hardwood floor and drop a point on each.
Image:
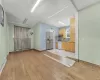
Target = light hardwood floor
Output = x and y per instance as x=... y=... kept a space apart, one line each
x=33 y=65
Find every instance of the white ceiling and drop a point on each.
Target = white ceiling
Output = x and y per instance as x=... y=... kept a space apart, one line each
x=80 y=4
x=18 y=10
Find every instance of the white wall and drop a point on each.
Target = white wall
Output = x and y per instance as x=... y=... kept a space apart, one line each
x=40 y=35
x=11 y=37
x=32 y=39
x=4 y=41
x=37 y=37
x=89 y=34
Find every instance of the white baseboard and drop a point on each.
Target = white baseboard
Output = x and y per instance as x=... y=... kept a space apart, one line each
x=3 y=65
x=39 y=50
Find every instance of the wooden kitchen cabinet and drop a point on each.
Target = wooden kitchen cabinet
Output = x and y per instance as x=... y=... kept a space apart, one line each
x=72 y=47
x=68 y=46
x=63 y=45
x=56 y=45
x=72 y=29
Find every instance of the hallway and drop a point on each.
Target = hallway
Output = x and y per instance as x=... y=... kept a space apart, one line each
x=33 y=65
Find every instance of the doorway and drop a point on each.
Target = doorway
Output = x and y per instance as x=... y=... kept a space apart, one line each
x=67 y=39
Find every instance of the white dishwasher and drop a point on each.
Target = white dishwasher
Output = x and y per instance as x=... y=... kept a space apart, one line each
x=59 y=45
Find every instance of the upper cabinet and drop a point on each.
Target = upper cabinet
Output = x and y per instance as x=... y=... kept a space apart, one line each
x=62 y=31
x=72 y=29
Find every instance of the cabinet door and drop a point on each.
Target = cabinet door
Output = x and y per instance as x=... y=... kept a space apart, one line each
x=70 y=47
x=72 y=29
x=62 y=31
x=63 y=45
x=56 y=45
x=67 y=47
x=73 y=47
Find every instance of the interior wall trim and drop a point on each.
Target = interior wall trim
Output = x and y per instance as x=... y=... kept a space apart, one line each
x=89 y=6
x=76 y=36
x=39 y=50
x=89 y=63
x=74 y=4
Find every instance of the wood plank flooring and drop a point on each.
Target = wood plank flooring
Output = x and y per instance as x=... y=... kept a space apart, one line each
x=63 y=60
x=33 y=65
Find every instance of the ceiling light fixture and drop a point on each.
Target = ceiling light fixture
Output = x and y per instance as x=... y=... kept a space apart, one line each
x=61 y=22
x=58 y=12
x=36 y=4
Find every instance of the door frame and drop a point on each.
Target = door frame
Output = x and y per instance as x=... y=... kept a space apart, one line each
x=76 y=37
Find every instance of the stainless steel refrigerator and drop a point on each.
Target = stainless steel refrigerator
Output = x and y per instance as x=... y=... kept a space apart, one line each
x=49 y=40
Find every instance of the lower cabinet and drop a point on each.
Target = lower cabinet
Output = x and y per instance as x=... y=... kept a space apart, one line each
x=68 y=46
x=56 y=45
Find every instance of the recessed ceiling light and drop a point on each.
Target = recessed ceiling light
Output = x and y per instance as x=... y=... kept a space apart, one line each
x=58 y=12
x=36 y=4
x=61 y=23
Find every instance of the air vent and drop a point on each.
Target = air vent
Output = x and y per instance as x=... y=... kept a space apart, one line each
x=25 y=20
